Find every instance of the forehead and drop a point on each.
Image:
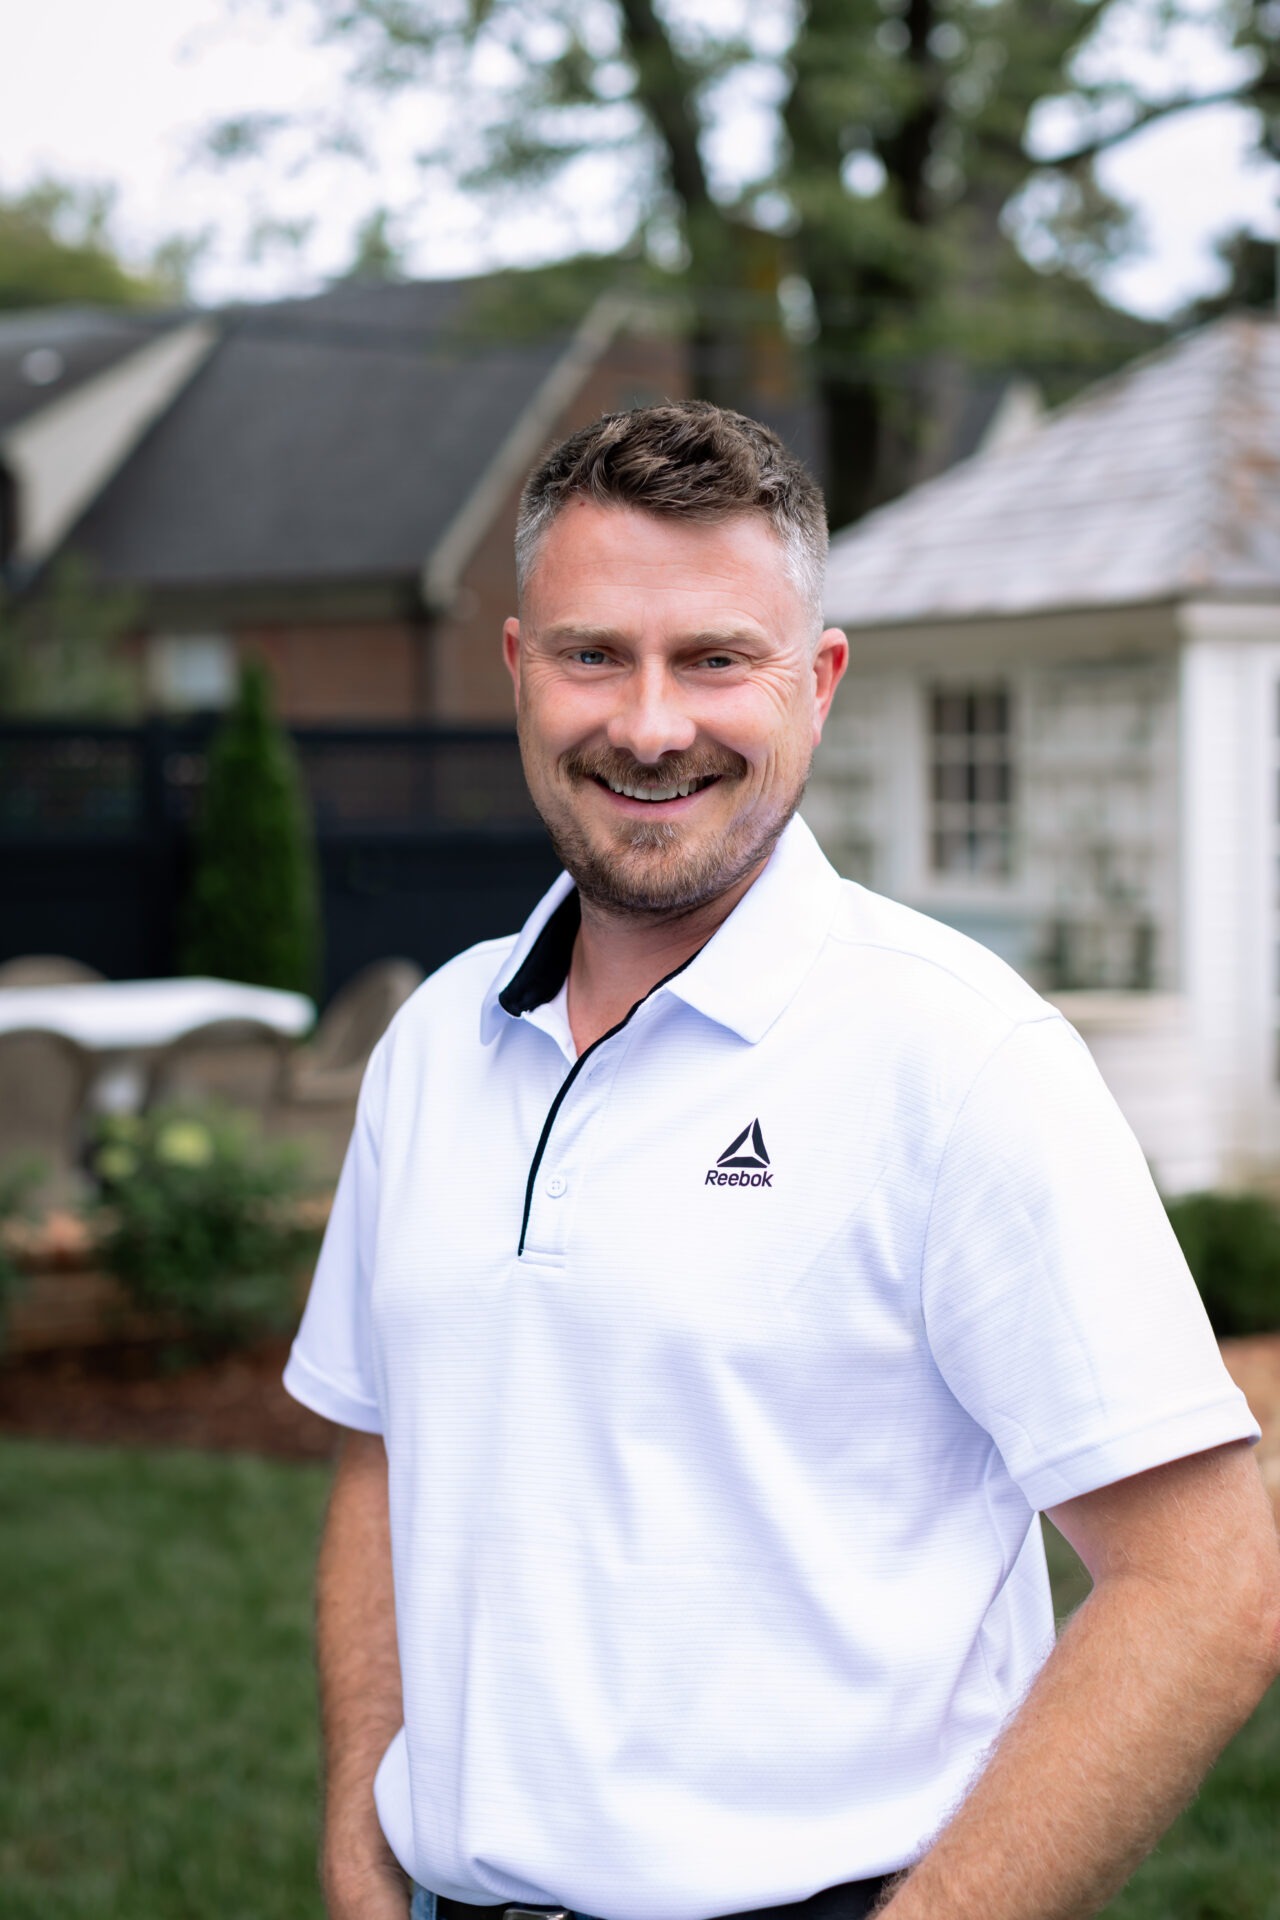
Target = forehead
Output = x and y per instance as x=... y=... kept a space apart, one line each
x=638 y=565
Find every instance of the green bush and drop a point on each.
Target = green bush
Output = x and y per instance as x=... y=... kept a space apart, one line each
x=252 y=913
x=199 y=1221
x=1232 y=1246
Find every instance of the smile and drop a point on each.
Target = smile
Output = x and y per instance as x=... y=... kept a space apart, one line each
x=656 y=795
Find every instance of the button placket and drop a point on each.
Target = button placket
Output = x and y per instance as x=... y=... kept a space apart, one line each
x=550 y=1215
x=585 y=1093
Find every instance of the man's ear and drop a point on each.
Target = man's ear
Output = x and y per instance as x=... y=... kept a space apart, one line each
x=829 y=662
x=511 y=651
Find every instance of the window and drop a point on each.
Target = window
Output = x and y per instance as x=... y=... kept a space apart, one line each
x=971 y=782
x=192 y=671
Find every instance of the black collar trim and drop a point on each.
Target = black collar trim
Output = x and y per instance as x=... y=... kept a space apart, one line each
x=545 y=967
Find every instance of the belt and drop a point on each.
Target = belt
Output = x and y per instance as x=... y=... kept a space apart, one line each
x=852 y=1901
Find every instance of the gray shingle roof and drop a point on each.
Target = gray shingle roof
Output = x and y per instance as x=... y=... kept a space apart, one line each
x=48 y=351
x=1157 y=484
x=325 y=439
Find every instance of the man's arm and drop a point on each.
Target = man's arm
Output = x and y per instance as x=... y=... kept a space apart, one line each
x=1170 y=1653
x=360 y=1700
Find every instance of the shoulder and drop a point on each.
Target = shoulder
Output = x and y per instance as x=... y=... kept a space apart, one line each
x=456 y=988
x=927 y=969
x=446 y=1006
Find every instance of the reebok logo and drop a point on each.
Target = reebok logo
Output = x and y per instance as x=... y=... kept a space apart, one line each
x=751 y=1167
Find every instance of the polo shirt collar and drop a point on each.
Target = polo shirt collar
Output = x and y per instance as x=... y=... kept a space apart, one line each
x=747 y=974
x=753 y=965
x=519 y=966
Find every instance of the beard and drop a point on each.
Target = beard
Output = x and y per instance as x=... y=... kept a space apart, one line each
x=659 y=870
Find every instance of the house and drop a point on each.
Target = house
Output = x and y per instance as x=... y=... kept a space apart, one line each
x=1060 y=731
x=330 y=483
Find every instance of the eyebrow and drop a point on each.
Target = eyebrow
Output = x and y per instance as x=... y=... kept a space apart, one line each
x=604 y=636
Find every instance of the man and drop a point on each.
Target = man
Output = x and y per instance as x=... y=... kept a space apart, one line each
x=722 y=1275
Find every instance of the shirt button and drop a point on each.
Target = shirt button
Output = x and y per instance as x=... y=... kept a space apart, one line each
x=556 y=1185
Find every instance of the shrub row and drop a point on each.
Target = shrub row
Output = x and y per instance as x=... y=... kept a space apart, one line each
x=1232 y=1245
x=199 y=1220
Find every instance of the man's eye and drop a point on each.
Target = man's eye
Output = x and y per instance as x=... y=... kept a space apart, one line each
x=718 y=660
x=589 y=656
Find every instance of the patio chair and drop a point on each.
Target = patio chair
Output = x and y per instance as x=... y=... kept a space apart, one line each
x=46 y=970
x=328 y=1068
x=238 y=1063
x=43 y=1081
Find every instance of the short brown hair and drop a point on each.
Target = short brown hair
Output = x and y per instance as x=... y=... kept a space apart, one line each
x=685 y=458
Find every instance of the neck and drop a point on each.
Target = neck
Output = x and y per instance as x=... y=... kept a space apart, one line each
x=618 y=958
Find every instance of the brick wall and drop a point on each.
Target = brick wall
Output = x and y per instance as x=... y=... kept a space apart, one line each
x=366 y=670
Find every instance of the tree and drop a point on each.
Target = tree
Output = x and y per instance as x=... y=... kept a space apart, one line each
x=55 y=246
x=377 y=254
x=60 y=649
x=904 y=205
x=1253 y=278
x=252 y=913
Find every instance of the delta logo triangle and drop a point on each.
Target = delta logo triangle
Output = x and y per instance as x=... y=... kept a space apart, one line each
x=741 y=1165
x=733 y=1155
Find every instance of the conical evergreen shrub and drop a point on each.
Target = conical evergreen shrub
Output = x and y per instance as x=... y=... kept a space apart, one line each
x=252 y=912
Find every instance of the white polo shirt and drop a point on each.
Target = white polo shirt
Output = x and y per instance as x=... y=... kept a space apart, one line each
x=713 y=1509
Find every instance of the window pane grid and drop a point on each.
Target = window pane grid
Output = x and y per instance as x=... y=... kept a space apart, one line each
x=971 y=781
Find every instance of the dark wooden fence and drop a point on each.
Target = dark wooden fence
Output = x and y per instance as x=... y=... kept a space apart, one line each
x=427 y=841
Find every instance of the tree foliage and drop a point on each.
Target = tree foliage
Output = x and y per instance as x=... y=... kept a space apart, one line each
x=56 y=247
x=60 y=649
x=253 y=913
x=899 y=188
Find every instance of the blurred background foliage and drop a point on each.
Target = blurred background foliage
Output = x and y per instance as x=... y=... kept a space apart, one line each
x=60 y=653
x=925 y=207
x=56 y=246
x=1232 y=1245
x=253 y=911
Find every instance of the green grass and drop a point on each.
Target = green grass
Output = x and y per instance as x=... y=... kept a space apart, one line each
x=157 y=1725
x=157 y=1721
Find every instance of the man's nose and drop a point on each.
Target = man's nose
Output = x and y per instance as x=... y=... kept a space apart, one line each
x=652 y=717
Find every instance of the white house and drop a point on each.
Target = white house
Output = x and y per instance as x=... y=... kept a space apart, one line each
x=1061 y=729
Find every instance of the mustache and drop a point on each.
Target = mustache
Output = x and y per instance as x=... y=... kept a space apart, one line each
x=674 y=769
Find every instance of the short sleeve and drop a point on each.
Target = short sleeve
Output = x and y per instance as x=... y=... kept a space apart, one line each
x=1057 y=1303
x=330 y=1368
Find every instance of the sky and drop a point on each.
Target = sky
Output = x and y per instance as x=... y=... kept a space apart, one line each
x=122 y=94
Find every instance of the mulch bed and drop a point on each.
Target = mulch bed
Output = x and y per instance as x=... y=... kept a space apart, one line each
x=142 y=1396
x=134 y=1395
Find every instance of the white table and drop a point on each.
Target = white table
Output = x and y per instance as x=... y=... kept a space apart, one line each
x=126 y=1022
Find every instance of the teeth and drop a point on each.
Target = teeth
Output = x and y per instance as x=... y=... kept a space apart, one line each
x=656 y=794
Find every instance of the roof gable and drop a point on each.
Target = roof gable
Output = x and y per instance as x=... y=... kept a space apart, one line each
x=46 y=352
x=328 y=439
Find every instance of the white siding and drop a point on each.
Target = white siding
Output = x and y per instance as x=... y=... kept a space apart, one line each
x=850 y=801
x=1098 y=821
x=1092 y=900
x=1230 y=812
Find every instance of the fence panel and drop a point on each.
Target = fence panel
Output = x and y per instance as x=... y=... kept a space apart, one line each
x=426 y=838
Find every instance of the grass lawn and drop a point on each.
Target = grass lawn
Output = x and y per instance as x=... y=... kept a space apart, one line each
x=157 y=1730
x=157 y=1726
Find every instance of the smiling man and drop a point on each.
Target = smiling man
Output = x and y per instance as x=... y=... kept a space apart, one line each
x=724 y=1274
